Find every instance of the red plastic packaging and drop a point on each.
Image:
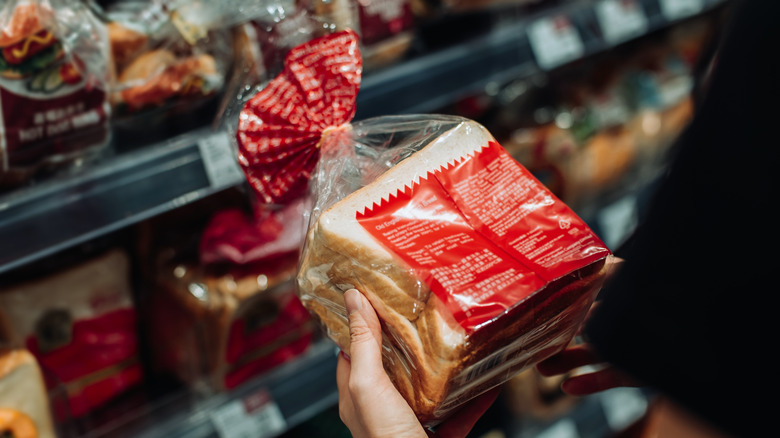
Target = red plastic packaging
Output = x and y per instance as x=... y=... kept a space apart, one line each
x=280 y=127
x=81 y=326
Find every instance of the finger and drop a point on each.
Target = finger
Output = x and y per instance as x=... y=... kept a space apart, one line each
x=613 y=265
x=365 y=336
x=461 y=423
x=346 y=406
x=597 y=381
x=567 y=360
x=342 y=375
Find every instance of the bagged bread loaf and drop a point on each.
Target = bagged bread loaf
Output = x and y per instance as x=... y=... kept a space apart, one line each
x=475 y=269
x=80 y=323
x=231 y=313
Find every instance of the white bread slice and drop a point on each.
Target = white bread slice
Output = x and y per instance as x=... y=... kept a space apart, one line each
x=23 y=393
x=341 y=232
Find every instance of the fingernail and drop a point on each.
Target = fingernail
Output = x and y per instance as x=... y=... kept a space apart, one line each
x=344 y=355
x=353 y=300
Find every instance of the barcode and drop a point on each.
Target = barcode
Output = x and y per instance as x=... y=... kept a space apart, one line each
x=485 y=365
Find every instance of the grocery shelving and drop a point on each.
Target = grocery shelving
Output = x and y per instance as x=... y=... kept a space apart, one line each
x=128 y=187
x=125 y=188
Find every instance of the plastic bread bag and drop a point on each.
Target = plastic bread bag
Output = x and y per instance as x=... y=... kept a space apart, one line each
x=386 y=27
x=476 y=270
x=53 y=87
x=81 y=324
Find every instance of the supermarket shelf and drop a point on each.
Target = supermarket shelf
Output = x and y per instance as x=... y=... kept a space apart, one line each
x=510 y=51
x=268 y=405
x=132 y=186
x=119 y=191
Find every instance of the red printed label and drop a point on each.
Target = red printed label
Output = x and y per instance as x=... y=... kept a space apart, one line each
x=484 y=234
x=35 y=128
x=98 y=362
x=271 y=332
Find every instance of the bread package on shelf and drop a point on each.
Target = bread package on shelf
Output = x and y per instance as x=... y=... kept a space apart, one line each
x=80 y=324
x=24 y=404
x=53 y=87
x=476 y=270
x=386 y=27
x=232 y=313
x=386 y=31
x=168 y=72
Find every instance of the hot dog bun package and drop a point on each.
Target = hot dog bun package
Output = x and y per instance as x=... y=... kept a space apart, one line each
x=53 y=86
x=24 y=404
x=475 y=269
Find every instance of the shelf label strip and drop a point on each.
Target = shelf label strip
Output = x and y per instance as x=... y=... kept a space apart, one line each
x=678 y=9
x=555 y=41
x=219 y=160
x=254 y=416
x=621 y=20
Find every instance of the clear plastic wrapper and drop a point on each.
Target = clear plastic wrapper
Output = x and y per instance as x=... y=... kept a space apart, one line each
x=476 y=270
x=231 y=313
x=53 y=86
x=166 y=72
x=80 y=323
x=24 y=405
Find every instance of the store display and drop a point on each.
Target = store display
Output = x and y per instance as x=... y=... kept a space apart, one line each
x=218 y=298
x=589 y=130
x=80 y=324
x=24 y=404
x=53 y=87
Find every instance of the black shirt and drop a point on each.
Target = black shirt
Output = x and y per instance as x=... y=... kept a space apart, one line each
x=692 y=312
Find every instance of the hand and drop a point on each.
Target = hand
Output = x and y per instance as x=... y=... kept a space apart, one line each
x=604 y=377
x=369 y=403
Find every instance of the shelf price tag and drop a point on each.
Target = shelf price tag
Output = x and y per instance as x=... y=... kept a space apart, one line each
x=555 y=41
x=565 y=428
x=622 y=407
x=621 y=20
x=254 y=416
x=677 y=9
x=220 y=161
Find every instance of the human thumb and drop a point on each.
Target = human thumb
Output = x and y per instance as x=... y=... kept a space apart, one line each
x=365 y=334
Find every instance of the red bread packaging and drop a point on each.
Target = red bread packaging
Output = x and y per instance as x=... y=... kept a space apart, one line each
x=81 y=326
x=233 y=314
x=476 y=270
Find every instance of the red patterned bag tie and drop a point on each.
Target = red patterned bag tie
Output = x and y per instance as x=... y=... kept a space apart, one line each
x=280 y=129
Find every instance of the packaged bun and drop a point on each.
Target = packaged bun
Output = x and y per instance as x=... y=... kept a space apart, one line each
x=475 y=269
x=53 y=88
